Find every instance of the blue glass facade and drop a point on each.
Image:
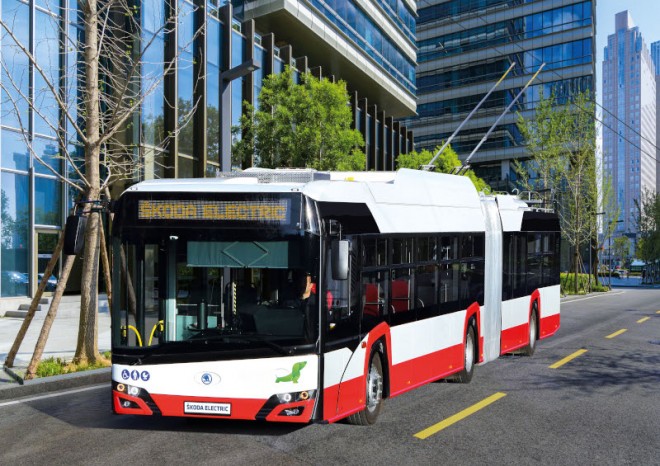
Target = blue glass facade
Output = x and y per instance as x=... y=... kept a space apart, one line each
x=369 y=37
x=504 y=32
x=30 y=162
x=465 y=46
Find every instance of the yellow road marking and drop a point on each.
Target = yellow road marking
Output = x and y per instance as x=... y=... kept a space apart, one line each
x=568 y=358
x=434 y=429
x=657 y=312
x=643 y=319
x=617 y=333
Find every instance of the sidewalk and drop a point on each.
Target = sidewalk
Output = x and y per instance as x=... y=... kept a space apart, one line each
x=62 y=339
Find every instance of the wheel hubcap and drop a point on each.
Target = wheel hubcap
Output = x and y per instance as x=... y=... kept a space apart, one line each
x=532 y=332
x=374 y=388
x=469 y=352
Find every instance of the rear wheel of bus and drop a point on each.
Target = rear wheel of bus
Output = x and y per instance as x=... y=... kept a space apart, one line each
x=374 y=393
x=533 y=328
x=465 y=376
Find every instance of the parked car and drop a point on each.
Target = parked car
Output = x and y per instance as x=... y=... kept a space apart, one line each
x=14 y=283
x=52 y=282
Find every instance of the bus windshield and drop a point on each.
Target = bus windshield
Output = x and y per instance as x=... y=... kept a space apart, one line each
x=215 y=291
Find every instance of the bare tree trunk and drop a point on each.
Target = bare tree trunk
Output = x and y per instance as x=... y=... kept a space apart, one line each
x=9 y=361
x=106 y=267
x=87 y=349
x=50 y=317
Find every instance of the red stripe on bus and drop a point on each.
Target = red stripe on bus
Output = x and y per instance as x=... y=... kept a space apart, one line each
x=403 y=377
x=514 y=338
x=244 y=408
x=549 y=325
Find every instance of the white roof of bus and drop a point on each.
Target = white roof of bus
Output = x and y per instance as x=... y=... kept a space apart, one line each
x=511 y=212
x=400 y=202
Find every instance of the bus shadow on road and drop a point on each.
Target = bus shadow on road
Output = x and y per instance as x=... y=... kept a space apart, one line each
x=597 y=371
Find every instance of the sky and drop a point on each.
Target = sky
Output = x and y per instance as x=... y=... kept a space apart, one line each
x=645 y=14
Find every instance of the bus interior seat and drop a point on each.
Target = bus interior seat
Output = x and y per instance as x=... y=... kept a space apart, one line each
x=371 y=300
x=401 y=295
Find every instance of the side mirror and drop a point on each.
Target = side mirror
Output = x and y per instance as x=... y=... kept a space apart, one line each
x=339 y=259
x=74 y=235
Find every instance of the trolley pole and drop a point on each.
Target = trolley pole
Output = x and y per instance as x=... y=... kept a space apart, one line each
x=506 y=110
x=430 y=166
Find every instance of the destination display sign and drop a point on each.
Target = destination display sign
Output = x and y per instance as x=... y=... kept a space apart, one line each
x=277 y=211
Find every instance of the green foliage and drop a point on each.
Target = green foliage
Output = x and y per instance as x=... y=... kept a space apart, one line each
x=300 y=125
x=648 y=226
x=561 y=140
x=568 y=284
x=58 y=366
x=621 y=247
x=445 y=163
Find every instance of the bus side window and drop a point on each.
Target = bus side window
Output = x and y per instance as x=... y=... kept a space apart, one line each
x=401 y=297
x=373 y=300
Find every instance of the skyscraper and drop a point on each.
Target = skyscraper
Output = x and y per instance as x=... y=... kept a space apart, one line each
x=629 y=119
x=655 y=54
x=464 y=47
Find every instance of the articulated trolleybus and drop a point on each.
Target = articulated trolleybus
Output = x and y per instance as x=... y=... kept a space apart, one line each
x=302 y=296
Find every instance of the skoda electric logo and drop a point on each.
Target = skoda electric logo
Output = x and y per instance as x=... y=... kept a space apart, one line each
x=207 y=378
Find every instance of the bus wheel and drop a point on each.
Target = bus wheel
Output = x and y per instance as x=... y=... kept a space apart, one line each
x=533 y=326
x=374 y=395
x=465 y=376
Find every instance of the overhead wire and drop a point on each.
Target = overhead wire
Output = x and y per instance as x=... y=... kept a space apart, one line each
x=520 y=48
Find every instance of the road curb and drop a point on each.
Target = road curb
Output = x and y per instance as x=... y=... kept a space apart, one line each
x=55 y=383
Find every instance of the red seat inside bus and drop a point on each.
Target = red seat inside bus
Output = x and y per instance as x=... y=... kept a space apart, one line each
x=371 y=300
x=401 y=295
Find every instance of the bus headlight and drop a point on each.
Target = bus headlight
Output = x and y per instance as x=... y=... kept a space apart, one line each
x=295 y=397
x=285 y=397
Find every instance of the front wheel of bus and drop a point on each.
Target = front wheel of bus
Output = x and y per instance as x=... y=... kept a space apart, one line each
x=533 y=325
x=374 y=394
x=465 y=376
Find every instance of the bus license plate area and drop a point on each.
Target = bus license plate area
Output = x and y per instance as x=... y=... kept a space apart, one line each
x=207 y=409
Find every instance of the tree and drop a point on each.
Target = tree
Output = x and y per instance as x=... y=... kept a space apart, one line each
x=445 y=163
x=107 y=86
x=648 y=227
x=561 y=141
x=299 y=125
x=609 y=208
x=621 y=248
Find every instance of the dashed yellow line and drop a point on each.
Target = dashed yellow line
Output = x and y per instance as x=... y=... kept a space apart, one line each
x=657 y=312
x=568 y=358
x=434 y=429
x=643 y=319
x=617 y=333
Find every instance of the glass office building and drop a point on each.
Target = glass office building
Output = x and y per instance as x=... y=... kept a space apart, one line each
x=655 y=55
x=629 y=119
x=465 y=46
x=184 y=125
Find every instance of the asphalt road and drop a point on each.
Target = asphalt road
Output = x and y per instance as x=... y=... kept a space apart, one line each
x=602 y=407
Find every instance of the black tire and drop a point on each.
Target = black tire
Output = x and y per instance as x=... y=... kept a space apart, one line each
x=374 y=394
x=533 y=332
x=469 y=357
